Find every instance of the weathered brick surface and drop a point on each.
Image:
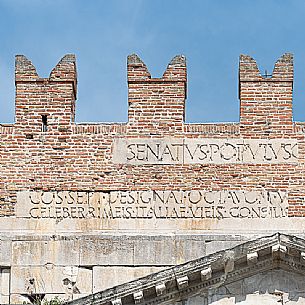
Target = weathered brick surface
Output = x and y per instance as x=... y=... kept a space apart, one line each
x=70 y=156
x=266 y=102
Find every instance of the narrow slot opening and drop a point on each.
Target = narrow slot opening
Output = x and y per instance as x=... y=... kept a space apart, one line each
x=44 y=119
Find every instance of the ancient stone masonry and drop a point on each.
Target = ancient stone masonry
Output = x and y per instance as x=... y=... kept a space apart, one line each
x=87 y=206
x=267 y=271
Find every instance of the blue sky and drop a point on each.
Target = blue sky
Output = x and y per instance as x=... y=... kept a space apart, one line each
x=211 y=33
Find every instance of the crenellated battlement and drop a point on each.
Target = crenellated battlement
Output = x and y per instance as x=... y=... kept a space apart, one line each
x=45 y=104
x=266 y=101
x=282 y=71
x=155 y=105
x=64 y=71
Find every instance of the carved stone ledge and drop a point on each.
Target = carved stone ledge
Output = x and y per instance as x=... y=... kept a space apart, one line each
x=252 y=258
x=229 y=261
x=160 y=289
x=279 y=249
x=212 y=271
x=182 y=282
x=117 y=302
x=206 y=274
x=138 y=297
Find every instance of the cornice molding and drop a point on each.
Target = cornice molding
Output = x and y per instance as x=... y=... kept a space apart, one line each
x=278 y=251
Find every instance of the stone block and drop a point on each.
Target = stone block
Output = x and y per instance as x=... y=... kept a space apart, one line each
x=170 y=150
x=23 y=299
x=23 y=205
x=79 y=295
x=188 y=248
x=27 y=280
x=106 y=251
x=182 y=282
x=138 y=207
x=4 y=286
x=160 y=289
x=206 y=273
x=214 y=246
x=60 y=296
x=107 y=277
x=154 y=250
x=5 y=252
x=37 y=253
x=19 y=299
x=6 y=300
x=148 y=151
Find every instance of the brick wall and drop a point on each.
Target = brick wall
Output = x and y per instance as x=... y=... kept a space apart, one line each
x=265 y=102
x=46 y=150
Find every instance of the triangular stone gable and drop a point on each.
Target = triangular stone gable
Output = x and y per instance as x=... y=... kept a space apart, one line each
x=267 y=270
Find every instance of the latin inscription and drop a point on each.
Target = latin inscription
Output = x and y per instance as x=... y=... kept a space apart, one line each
x=188 y=151
x=178 y=204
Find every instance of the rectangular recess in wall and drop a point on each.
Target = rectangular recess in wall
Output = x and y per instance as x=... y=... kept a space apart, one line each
x=44 y=119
